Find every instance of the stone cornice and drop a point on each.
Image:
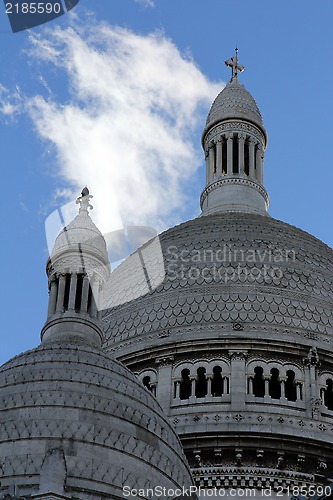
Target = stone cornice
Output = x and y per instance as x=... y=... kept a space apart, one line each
x=229 y=180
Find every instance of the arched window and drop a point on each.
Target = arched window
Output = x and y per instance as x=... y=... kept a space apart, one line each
x=328 y=394
x=185 y=384
x=258 y=382
x=290 y=387
x=217 y=381
x=201 y=383
x=275 y=384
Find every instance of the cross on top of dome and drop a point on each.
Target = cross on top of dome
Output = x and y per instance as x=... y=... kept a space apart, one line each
x=233 y=63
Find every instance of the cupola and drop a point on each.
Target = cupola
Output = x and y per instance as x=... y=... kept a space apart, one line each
x=234 y=141
x=77 y=269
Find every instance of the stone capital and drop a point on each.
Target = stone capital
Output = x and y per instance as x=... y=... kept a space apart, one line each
x=164 y=360
x=237 y=355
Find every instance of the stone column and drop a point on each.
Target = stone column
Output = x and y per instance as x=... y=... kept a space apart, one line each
x=238 y=379
x=193 y=382
x=229 y=153
x=298 y=391
x=251 y=386
x=61 y=292
x=209 y=384
x=85 y=294
x=283 y=387
x=177 y=385
x=219 y=156
x=164 y=379
x=267 y=396
x=211 y=160
x=94 y=299
x=251 y=159
x=52 y=298
x=241 y=142
x=72 y=292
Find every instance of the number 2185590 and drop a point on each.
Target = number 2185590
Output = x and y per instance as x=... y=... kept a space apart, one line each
x=33 y=8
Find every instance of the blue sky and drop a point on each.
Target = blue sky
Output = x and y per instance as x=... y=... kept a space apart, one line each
x=115 y=96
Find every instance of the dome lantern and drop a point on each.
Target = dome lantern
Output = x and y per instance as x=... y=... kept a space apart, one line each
x=77 y=269
x=234 y=141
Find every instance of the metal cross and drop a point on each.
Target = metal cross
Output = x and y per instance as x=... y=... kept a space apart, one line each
x=233 y=63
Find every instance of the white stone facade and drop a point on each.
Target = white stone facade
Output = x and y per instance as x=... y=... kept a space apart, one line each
x=236 y=340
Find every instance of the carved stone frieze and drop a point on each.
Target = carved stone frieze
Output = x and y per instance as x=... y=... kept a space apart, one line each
x=234 y=126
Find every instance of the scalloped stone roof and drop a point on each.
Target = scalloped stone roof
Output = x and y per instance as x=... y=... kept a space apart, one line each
x=233 y=102
x=197 y=288
x=77 y=398
x=80 y=234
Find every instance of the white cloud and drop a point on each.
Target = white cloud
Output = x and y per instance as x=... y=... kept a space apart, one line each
x=127 y=130
x=146 y=3
x=10 y=103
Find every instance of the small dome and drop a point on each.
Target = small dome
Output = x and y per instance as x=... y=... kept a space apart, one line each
x=80 y=234
x=235 y=102
x=80 y=404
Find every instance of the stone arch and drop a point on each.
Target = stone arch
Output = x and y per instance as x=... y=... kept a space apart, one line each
x=201 y=385
x=149 y=380
x=290 y=385
x=326 y=389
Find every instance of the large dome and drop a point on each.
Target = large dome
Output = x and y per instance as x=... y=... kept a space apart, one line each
x=215 y=271
x=235 y=102
x=94 y=415
x=231 y=301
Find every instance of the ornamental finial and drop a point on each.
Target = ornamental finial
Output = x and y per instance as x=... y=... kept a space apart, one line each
x=84 y=201
x=233 y=63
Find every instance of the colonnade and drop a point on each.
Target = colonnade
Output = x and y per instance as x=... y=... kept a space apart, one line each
x=234 y=153
x=76 y=292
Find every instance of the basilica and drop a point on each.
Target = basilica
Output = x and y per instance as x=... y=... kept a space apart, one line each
x=202 y=364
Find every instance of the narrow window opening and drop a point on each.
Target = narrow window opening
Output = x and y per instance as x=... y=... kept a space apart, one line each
x=217 y=382
x=201 y=383
x=185 y=384
x=246 y=158
x=78 y=297
x=224 y=157
x=90 y=298
x=259 y=382
x=215 y=158
x=255 y=161
x=328 y=394
x=290 y=390
x=235 y=155
x=66 y=294
x=275 y=384
x=146 y=382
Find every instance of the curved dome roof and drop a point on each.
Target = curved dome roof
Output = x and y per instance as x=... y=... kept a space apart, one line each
x=210 y=274
x=80 y=234
x=233 y=102
x=110 y=429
